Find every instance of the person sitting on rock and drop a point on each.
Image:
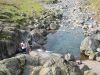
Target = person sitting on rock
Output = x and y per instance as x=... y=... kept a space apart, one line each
x=23 y=46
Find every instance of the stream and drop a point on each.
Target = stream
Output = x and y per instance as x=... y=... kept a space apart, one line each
x=68 y=38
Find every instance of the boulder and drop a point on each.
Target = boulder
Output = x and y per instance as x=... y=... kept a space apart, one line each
x=92 y=56
x=12 y=66
x=84 y=68
x=97 y=37
x=88 y=46
x=54 y=26
x=31 y=70
x=45 y=71
x=98 y=56
x=98 y=50
x=69 y=57
x=89 y=73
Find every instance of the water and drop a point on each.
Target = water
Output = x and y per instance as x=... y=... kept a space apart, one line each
x=66 y=39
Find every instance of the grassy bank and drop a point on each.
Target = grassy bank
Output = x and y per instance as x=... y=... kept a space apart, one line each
x=19 y=9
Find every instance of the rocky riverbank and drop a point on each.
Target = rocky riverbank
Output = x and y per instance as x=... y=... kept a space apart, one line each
x=34 y=30
x=38 y=63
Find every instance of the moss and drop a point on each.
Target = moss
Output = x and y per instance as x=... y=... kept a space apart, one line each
x=5 y=37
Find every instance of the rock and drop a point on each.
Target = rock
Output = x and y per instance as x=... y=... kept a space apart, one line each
x=13 y=66
x=89 y=73
x=53 y=26
x=31 y=70
x=4 y=70
x=56 y=70
x=98 y=50
x=45 y=71
x=98 y=56
x=84 y=68
x=69 y=57
x=7 y=48
x=97 y=37
x=92 y=56
x=88 y=46
x=49 y=63
x=98 y=59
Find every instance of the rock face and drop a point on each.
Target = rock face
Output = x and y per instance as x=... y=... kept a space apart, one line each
x=12 y=66
x=90 y=44
x=38 y=64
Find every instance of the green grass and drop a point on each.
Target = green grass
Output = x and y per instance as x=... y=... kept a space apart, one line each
x=17 y=7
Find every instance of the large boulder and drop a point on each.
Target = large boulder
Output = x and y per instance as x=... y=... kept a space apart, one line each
x=12 y=66
x=88 y=46
x=7 y=48
x=38 y=63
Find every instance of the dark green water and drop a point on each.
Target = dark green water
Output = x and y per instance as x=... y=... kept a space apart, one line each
x=66 y=39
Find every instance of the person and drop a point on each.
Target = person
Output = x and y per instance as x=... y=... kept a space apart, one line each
x=23 y=46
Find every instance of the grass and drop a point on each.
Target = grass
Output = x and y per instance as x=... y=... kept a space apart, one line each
x=95 y=4
x=17 y=7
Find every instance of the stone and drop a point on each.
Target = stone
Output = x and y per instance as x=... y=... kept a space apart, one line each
x=88 y=46
x=98 y=56
x=84 y=68
x=49 y=63
x=45 y=71
x=92 y=56
x=13 y=66
x=89 y=73
x=69 y=57
x=97 y=37
x=98 y=50
x=53 y=26
x=31 y=70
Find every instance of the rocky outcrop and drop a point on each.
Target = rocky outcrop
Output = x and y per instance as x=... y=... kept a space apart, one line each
x=38 y=63
x=90 y=44
x=12 y=66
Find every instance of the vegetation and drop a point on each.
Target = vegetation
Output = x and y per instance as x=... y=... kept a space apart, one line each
x=15 y=10
x=95 y=4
